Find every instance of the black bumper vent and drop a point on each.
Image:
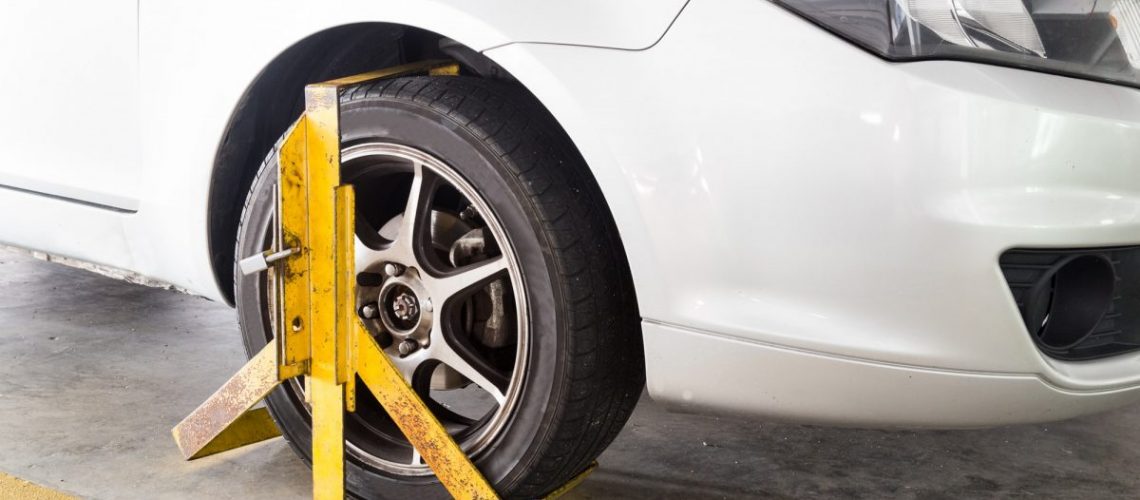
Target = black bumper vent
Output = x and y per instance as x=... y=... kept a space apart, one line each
x=1078 y=304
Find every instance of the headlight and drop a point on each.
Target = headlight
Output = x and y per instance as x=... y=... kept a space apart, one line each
x=1097 y=39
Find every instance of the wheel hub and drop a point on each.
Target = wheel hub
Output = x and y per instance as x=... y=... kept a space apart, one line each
x=405 y=307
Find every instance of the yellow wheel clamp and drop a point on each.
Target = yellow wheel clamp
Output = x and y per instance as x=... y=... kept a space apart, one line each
x=318 y=335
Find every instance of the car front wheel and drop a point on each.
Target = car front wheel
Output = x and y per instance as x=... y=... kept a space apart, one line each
x=490 y=271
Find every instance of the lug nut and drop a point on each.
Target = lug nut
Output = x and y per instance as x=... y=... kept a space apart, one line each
x=393 y=269
x=369 y=311
x=408 y=346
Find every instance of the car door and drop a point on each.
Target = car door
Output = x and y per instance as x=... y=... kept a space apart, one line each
x=69 y=84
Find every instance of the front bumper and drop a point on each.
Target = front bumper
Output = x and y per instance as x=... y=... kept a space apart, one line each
x=815 y=231
x=734 y=376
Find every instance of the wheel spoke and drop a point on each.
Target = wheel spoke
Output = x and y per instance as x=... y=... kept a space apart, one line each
x=415 y=224
x=366 y=255
x=473 y=367
x=465 y=280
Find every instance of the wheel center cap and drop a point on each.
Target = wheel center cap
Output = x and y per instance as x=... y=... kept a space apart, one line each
x=405 y=306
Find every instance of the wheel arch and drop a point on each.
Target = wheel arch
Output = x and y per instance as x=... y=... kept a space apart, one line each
x=273 y=100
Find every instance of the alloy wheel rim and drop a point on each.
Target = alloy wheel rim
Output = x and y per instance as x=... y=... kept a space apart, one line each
x=424 y=300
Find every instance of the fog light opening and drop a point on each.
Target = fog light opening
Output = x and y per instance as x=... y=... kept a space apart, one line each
x=1081 y=292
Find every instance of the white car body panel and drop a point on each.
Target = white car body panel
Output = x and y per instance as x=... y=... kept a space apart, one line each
x=869 y=229
x=168 y=106
x=813 y=231
x=71 y=77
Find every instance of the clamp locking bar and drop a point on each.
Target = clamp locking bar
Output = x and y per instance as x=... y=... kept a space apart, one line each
x=259 y=262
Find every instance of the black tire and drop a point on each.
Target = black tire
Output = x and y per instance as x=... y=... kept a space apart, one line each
x=587 y=360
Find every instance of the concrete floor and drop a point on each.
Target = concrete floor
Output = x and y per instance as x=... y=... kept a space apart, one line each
x=94 y=372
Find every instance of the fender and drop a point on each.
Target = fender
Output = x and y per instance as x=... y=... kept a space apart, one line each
x=198 y=61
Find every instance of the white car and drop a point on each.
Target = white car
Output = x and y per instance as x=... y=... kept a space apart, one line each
x=871 y=213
